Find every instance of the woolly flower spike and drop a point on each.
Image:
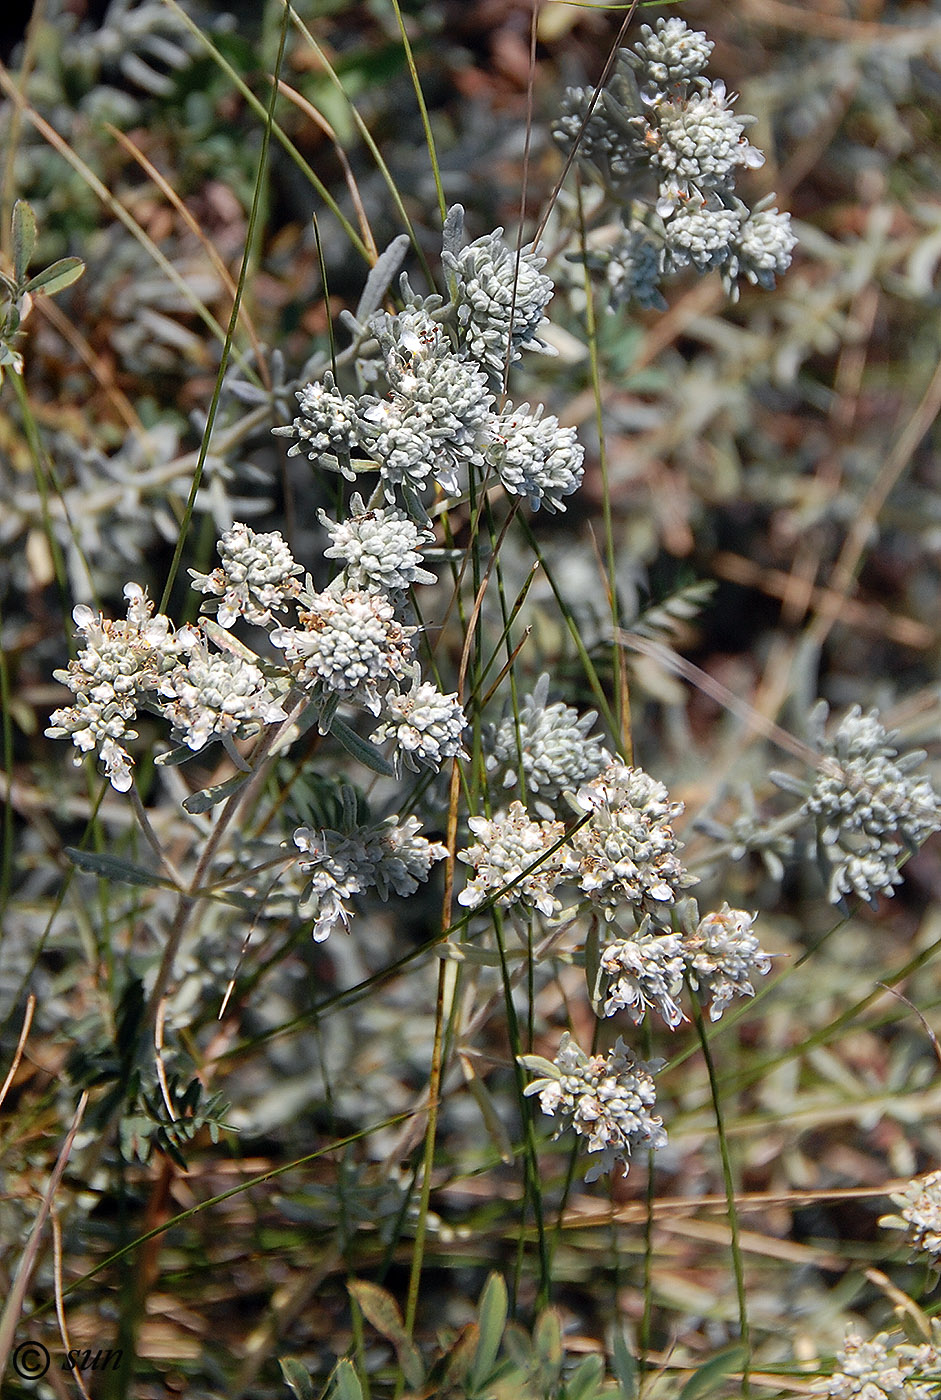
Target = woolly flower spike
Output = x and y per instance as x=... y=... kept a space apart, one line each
x=121 y=665
x=388 y=857
x=256 y=578
x=668 y=54
x=698 y=140
x=351 y=643
x=875 y=1371
x=867 y=807
x=436 y=416
x=507 y=845
x=534 y=457
x=761 y=247
x=326 y=427
x=491 y=287
x=425 y=726
x=633 y=267
x=626 y=853
x=380 y=548
x=722 y=956
x=217 y=696
x=646 y=970
x=605 y=1098
x=552 y=746
x=699 y=233
x=920 y=1217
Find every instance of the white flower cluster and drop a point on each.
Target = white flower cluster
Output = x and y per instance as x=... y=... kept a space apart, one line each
x=627 y=853
x=388 y=857
x=534 y=457
x=255 y=579
x=868 y=807
x=350 y=644
x=499 y=300
x=722 y=956
x=381 y=548
x=876 y=1371
x=425 y=726
x=144 y=662
x=666 y=143
x=437 y=420
x=552 y=745
x=507 y=845
x=606 y=1098
x=920 y=1217
x=644 y=971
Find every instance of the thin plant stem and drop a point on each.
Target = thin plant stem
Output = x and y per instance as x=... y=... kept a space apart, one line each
x=250 y=231
x=729 y=1181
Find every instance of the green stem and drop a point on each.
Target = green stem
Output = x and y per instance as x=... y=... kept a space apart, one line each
x=729 y=1181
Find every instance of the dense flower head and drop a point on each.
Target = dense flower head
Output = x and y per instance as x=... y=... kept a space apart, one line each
x=388 y=857
x=919 y=1216
x=425 y=725
x=351 y=643
x=120 y=666
x=216 y=695
x=381 y=549
x=438 y=409
x=500 y=300
x=869 y=809
x=699 y=141
x=534 y=457
x=508 y=844
x=633 y=267
x=256 y=577
x=760 y=248
x=606 y=1098
x=326 y=427
x=627 y=852
x=644 y=971
x=699 y=232
x=552 y=745
x=722 y=956
x=876 y=1371
x=669 y=53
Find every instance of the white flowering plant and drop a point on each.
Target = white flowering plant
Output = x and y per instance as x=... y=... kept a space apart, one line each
x=395 y=835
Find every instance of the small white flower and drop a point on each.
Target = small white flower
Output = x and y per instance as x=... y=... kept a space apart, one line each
x=391 y=856
x=645 y=970
x=534 y=457
x=875 y=1371
x=381 y=549
x=920 y=1217
x=216 y=695
x=606 y=1098
x=350 y=642
x=627 y=852
x=425 y=725
x=256 y=578
x=492 y=289
x=508 y=844
x=552 y=745
x=722 y=957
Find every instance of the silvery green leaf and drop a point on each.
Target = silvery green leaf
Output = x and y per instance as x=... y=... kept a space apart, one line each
x=113 y=868
x=24 y=239
x=57 y=277
x=377 y=283
x=361 y=749
x=209 y=797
